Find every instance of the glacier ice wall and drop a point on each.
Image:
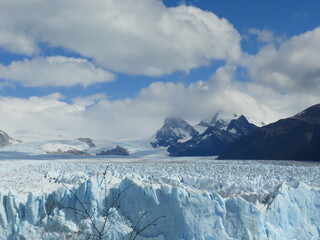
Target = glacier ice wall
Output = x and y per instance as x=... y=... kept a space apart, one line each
x=288 y=212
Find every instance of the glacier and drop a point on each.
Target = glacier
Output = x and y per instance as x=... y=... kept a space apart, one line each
x=200 y=198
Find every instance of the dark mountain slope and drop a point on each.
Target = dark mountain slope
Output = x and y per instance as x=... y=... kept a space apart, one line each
x=214 y=140
x=294 y=138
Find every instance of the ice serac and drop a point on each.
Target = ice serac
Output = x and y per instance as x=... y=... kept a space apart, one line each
x=294 y=138
x=214 y=139
x=288 y=212
x=173 y=130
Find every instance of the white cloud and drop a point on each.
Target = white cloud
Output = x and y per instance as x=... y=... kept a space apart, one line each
x=293 y=67
x=99 y=117
x=39 y=116
x=17 y=42
x=145 y=37
x=88 y=101
x=136 y=37
x=54 y=71
x=265 y=36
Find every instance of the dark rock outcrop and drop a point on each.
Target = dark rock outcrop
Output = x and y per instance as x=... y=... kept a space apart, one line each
x=88 y=141
x=115 y=151
x=71 y=151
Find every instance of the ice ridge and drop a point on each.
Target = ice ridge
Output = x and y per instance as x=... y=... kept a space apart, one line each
x=288 y=212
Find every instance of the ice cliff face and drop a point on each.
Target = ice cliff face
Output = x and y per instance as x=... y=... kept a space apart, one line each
x=288 y=212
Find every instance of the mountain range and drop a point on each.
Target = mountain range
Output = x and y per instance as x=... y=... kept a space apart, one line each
x=293 y=138
x=234 y=137
x=207 y=138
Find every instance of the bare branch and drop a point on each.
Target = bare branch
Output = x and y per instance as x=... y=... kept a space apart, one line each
x=135 y=228
x=88 y=210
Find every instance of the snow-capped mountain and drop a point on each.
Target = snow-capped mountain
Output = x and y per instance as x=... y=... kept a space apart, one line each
x=240 y=126
x=294 y=138
x=81 y=147
x=214 y=139
x=173 y=130
x=205 y=123
x=225 y=122
x=5 y=139
x=175 y=133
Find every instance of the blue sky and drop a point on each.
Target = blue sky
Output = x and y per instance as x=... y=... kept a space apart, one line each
x=132 y=63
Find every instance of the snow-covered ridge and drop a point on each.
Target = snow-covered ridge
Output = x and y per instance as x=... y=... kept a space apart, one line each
x=136 y=148
x=221 y=121
x=200 y=198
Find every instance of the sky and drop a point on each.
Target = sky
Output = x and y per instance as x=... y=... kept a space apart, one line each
x=117 y=68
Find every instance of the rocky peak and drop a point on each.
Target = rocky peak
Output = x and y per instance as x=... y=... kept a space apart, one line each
x=173 y=130
x=175 y=122
x=240 y=126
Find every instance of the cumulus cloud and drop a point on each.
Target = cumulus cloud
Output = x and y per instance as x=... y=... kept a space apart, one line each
x=99 y=117
x=136 y=37
x=145 y=37
x=54 y=71
x=293 y=67
x=39 y=117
